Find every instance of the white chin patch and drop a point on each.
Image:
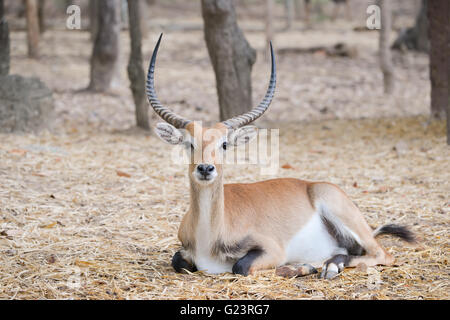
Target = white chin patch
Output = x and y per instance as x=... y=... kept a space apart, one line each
x=201 y=179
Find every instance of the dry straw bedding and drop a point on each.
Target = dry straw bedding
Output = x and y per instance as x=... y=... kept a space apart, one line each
x=96 y=215
x=89 y=212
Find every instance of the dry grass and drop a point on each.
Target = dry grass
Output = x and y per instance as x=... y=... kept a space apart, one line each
x=97 y=216
x=91 y=210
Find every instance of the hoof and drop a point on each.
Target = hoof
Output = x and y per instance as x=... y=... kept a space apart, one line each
x=332 y=267
x=180 y=264
x=329 y=271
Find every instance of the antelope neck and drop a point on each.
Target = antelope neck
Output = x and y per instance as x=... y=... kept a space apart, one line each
x=207 y=203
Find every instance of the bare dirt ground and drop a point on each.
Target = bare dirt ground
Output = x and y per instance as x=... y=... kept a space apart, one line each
x=91 y=208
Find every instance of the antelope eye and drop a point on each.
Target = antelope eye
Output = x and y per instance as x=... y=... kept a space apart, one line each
x=224 y=146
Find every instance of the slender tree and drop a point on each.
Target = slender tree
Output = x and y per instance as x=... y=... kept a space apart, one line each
x=307 y=11
x=32 y=28
x=269 y=26
x=385 y=52
x=41 y=16
x=105 y=53
x=145 y=16
x=448 y=84
x=290 y=11
x=93 y=18
x=231 y=55
x=4 y=42
x=298 y=9
x=135 y=70
x=439 y=21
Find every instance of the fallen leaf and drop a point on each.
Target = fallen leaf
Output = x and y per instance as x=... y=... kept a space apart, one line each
x=18 y=151
x=123 y=174
x=37 y=174
x=51 y=259
x=287 y=166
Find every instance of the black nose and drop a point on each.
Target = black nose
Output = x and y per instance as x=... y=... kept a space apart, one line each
x=205 y=169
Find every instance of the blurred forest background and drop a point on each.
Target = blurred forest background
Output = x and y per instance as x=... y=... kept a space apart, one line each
x=329 y=61
x=85 y=211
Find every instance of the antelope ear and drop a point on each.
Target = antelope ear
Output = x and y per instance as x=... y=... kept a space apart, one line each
x=169 y=133
x=242 y=135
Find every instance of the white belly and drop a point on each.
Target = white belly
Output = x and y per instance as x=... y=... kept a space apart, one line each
x=312 y=244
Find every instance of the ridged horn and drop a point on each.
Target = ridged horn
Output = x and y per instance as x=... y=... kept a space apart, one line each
x=166 y=114
x=257 y=112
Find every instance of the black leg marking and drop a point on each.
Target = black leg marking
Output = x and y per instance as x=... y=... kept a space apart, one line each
x=242 y=266
x=179 y=263
x=233 y=251
x=344 y=241
x=332 y=267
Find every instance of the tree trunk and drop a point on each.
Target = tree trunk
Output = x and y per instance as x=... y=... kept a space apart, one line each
x=4 y=42
x=415 y=38
x=289 y=9
x=145 y=16
x=22 y=12
x=307 y=11
x=93 y=18
x=135 y=71
x=269 y=27
x=448 y=85
x=439 y=20
x=32 y=29
x=41 y=16
x=385 y=52
x=123 y=14
x=231 y=56
x=297 y=9
x=105 y=53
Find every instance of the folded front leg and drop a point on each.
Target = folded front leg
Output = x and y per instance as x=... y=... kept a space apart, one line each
x=261 y=257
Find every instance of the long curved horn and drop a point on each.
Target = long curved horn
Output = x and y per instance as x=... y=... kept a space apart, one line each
x=257 y=112
x=163 y=112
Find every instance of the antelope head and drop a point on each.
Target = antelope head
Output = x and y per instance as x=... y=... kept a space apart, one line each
x=206 y=146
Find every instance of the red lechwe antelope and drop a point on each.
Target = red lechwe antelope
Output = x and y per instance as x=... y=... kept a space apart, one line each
x=242 y=228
